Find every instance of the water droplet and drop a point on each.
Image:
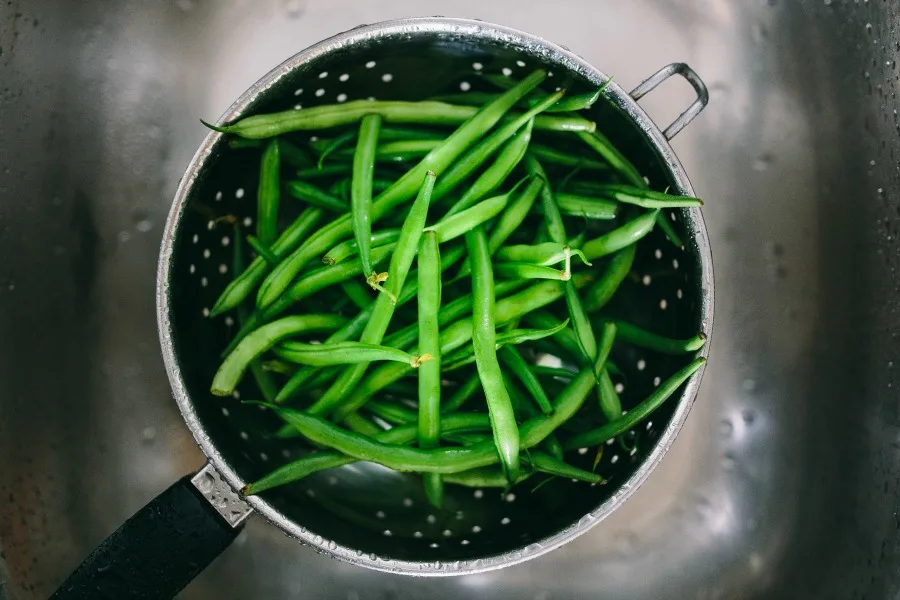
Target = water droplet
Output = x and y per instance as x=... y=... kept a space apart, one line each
x=726 y=428
x=749 y=416
x=748 y=385
x=144 y=225
x=762 y=162
x=294 y=8
x=148 y=434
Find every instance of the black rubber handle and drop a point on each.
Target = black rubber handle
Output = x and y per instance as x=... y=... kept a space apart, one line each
x=155 y=553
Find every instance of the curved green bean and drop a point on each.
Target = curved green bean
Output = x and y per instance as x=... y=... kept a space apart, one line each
x=527 y=271
x=601 y=292
x=484 y=339
x=552 y=217
x=361 y=187
x=637 y=414
x=315 y=196
x=261 y=250
x=554 y=466
x=252 y=346
x=608 y=398
x=627 y=234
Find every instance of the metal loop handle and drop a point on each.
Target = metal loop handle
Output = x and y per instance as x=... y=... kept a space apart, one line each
x=652 y=82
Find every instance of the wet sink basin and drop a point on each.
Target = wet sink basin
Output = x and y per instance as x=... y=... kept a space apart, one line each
x=784 y=482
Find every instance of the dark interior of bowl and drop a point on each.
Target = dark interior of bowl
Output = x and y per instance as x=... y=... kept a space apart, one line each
x=364 y=506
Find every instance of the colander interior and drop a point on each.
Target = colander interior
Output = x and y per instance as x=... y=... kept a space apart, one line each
x=365 y=507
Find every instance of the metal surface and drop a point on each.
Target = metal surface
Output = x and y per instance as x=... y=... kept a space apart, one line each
x=784 y=482
x=365 y=514
x=220 y=495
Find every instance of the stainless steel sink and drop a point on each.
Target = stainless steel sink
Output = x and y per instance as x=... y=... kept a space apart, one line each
x=785 y=481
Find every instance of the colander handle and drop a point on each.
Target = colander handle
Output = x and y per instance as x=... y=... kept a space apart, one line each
x=696 y=107
x=158 y=551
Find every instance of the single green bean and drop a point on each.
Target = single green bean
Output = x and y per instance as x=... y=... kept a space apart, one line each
x=429 y=301
x=315 y=196
x=243 y=284
x=527 y=271
x=401 y=150
x=599 y=294
x=324 y=172
x=262 y=250
x=252 y=346
x=493 y=177
x=485 y=477
x=357 y=293
x=361 y=188
x=605 y=148
x=484 y=337
x=637 y=414
x=565 y=104
x=514 y=360
x=321 y=461
x=437 y=161
x=392 y=111
x=344 y=353
x=581 y=324
x=619 y=238
x=589 y=208
x=334 y=145
x=349 y=247
x=392 y=412
x=401 y=261
x=642 y=338
x=342 y=187
x=554 y=466
x=647 y=198
x=552 y=156
x=268 y=194
x=546 y=254
x=476 y=157
x=608 y=397
x=322 y=278
x=278 y=366
x=552 y=218
x=553 y=447
x=453 y=226
x=462 y=395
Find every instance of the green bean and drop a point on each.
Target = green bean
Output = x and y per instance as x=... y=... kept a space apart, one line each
x=599 y=294
x=344 y=353
x=553 y=447
x=527 y=271
x=565 y=338
x=361 y=189
x=429 y=342
x=608 y=398
x=294 y=156
x=365 y=426
x=437 y=161
x=252 y=346
x=401 y=261
x=334 y=145
x=392 y=111
x=268 y=194
x=462 y=395
x=642 y=338
x=453 y=337
x=350 y=247
x=647 y=198
x=565 y=104
x=485 y=477
x=278 y=366
x=589 y=208
x=453 y=226
x=244 y=283
x=546 y=254
x=261 y=250
x=552 y=218
x=315 y=196
x=513 y=359
x=392 y=413
x=521 y=403
x=386 y=134
x=507 y=159
x=553 y=156
x=322 y=278
x=321 y=461
x=602 y=146
x=484 y=337
x=554 y=466
x=401 y=150
x=619 y=238
x=342 y=187
x=357 y=293
x=581 y=324
x=557 y=372
x=637 y=414
x=324 y=172
x=475 y=157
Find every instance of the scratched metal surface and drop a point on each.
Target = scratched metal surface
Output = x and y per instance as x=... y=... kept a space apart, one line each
x=784 y=482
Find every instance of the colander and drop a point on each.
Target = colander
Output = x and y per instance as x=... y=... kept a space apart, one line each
x=363 y=513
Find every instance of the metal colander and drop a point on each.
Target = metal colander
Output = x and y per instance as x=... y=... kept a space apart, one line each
x=364 y=513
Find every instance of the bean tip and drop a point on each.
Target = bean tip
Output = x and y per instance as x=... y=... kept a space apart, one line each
x=214 y=127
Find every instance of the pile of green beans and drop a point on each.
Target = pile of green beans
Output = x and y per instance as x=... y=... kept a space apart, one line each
x=474 y=210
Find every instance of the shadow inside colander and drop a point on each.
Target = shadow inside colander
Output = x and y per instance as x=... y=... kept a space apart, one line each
x=365 y=506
